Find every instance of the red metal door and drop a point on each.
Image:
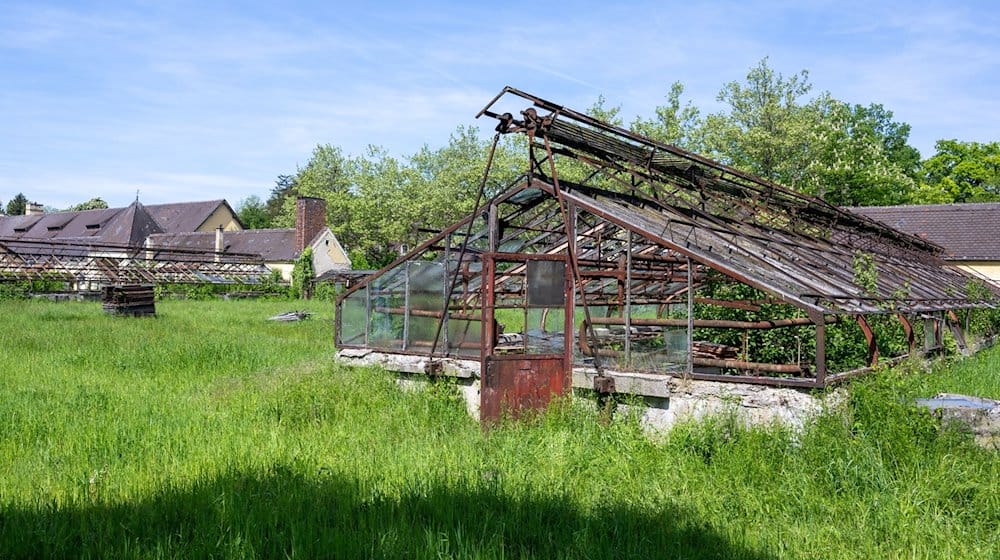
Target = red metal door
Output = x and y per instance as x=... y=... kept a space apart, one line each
x=525 y=369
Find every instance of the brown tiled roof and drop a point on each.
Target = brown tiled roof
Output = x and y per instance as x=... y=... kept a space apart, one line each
x=181 y=217
x=273 y=245
x=129 y=225
x=125 y=226
x=968 y=231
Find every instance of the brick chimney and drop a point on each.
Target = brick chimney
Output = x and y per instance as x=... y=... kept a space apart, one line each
x=310 y=219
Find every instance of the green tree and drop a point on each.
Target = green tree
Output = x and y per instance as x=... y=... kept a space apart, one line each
x=92 y=204
x=284 y=187
x=849 y=155
x=252 y=213
x=961 y=172
x=674 y=123
x=377 y=203
x=328 y=175
x=17 y=205
x=600 y=111
x=303 y=274
x=858 y=155
x=765 y=128
x=386 y=207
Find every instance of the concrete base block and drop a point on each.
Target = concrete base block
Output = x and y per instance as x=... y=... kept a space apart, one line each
x=667 y=399
x=977 y=415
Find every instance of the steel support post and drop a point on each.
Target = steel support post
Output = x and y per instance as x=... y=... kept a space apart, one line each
x=628 y=299
x=690 y=317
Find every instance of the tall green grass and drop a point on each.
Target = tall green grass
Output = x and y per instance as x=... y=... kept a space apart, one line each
x=210 y=432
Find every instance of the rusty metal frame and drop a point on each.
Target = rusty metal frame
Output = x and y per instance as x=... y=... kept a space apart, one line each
x=650 y=224
x=79 y=262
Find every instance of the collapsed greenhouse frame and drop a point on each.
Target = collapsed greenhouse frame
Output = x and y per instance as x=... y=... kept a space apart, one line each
x=616 y=261
x=82 y=262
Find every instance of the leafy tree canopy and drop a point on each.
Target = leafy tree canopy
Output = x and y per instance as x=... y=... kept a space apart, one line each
x=961 y=172
x=17 y=205
x=92 y=204
x=378 y=204
x=770 y=125
x=674 y=123
x=252 y=213
x=848 y=154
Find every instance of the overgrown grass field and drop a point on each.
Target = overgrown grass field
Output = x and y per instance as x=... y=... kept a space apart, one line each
x=209 y=432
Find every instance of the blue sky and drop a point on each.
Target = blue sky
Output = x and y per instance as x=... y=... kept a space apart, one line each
x=200 y=100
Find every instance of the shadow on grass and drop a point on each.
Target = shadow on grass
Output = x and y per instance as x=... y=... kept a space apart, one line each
x=283 y=514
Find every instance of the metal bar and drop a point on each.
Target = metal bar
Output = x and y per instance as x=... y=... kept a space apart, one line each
x=712 y=323
x=748 y=366
x=368 y=312
x=911 y=342
x=690 y=318
x=870 y=337
x=447 y=291
x=488 y=324
x=820 y=321
x=628 y=299
x=406 y=304
x=804 y=382
x=427 y=313
x=850 y=374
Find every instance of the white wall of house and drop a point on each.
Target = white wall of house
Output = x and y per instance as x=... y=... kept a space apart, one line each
x=989 y=269
x=221 y=217
x=328 y=253
x=285 y=268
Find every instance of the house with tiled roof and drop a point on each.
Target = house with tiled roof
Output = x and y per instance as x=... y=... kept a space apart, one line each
x=969 y=232
x=280 y=247
x=210 y=226
x=130 y=225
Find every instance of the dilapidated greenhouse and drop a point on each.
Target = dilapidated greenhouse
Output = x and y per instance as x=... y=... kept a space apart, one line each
x=618 y=253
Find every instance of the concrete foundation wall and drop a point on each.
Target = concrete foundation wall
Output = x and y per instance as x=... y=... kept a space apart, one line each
x=668 y=399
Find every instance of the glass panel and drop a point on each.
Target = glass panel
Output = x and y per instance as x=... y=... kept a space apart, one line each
x=464 y=337
x=654 y=348
x=421 y=334
x=426 y=286
x=546 y=283
x=426 y=304
x=675 y=341
x=509 y=287
x=352 y=318
x=387 y=299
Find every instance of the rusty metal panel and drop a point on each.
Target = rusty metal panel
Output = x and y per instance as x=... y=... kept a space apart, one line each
x=512 y=386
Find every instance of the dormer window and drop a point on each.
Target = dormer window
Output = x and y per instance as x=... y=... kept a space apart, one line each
x=93 y=226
